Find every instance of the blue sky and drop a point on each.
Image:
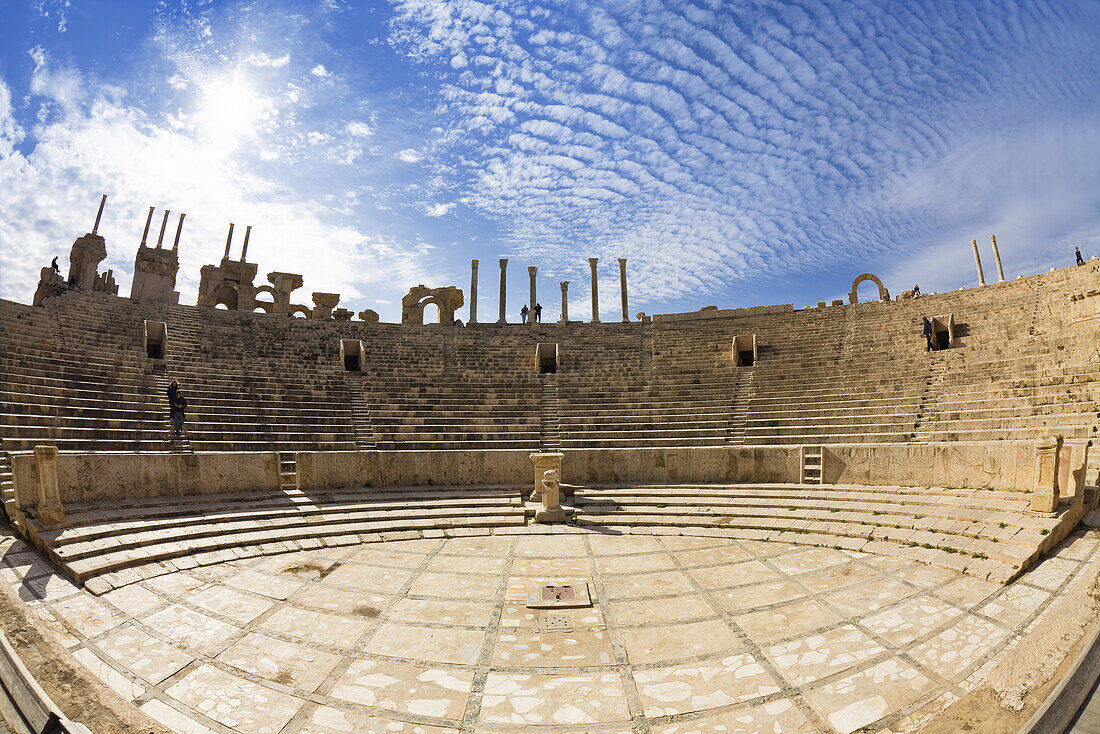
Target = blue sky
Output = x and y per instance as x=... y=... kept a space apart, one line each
x=735 y=153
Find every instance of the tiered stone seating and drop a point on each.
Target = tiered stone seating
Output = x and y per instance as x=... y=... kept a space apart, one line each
x=107 y=548
x=987 y=533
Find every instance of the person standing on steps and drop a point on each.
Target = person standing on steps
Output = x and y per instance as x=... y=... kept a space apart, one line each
x=1077 y=250
x=176 y=410
x=928 y=335
x=538 y=312
x=173 y=391
x=523 y=314
x=916 y=291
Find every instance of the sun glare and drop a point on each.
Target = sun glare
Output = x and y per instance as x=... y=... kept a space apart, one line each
x=230 y=111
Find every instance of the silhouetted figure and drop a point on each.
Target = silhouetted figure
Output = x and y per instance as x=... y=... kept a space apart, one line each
x=1077 y=250
x=916 y=291
x=523 y=314
x=176 y=413
x=173 y=391
x=58 y=270
x=928 y=335
x=538 y=312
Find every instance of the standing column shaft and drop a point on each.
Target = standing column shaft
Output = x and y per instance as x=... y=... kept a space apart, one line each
x=622 y=288
x=179 y=228
x=503 y=306
x=95 y=227
x=163 y=224
x=244 y=249
x=595 y=292
x=997 y=258
x=228 y=242
x=531 y=271
x=564 y=301
x=473 y=291
x=148 y=221
x=978 y=262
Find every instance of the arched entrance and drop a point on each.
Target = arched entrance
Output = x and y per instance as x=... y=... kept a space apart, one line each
x=883 y=294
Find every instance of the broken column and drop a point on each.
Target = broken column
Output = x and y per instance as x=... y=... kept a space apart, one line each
x=997 y=258
x=86 y=255
x=48 y=507
x=622 y=288
x=595 y=293
x=503 y=274
x=155 y=268
x=551 y=510
x=323 y=305
x=531 y=272
x=978 y=262
x=244 y=249
x=1044 y=498
x=228 y=243
x=564 y=301
x=473 y=291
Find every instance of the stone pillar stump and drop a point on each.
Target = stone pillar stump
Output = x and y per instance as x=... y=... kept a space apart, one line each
x=1044 y=498
x=48 y=509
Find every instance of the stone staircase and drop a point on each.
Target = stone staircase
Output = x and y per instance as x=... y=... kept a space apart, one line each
x=141 y=538
x=549 y=426
x=813 y=463
x=989 y=534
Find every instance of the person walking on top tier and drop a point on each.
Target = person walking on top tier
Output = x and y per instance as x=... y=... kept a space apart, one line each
x=523 y=314
x=1080 y=260
x=538 y=312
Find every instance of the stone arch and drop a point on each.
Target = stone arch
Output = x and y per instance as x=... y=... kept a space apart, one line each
x=227 y=295
x=883 y=294
x=299 y=312
x=447 y=300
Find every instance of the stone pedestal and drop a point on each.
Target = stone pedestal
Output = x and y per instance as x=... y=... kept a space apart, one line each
x=86 y=255
x=1044 y=498
x=551 y=510
x=48 y=508
x=544 y=461
x=323 y=304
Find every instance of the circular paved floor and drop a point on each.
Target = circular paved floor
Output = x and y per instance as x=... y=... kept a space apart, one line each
x=684 y=634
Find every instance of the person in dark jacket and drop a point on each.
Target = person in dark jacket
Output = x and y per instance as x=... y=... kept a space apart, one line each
x=523 y=314
x=1080 y=260
x=173 y=391
x=176 y=412
x=928 y=335
x=538 y=312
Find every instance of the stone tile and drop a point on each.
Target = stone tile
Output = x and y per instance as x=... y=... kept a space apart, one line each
x=550 y=546
x=87 y=615
x=767 y=549
x=173 y=585
x=1015 y=604
x=660 y=611
x=788 y=620
x=617 y=545
x=51 y=587
x=455 y=586
x=865 y=697
x=143 y=654
x=677 y=641
x=702 y=685
x=475 y=614
x=1051 y=573
x=227 y=601
x=760 y=595
x=280 y=661
x=328 y=720
x=189 y=628
x=910 y=620
x=925 y=576
x=519 y=616
x=635 y=563
x=134 y=599
x=378 y=555
x=403 y=688
x=463 y=564
x=276 y=587
x=693 y=542
x=838 y=577
x=234 y=702
x=175 y=721
x=523 y=648
x=398 y=640
x=780 y=716
x=479 y=545
x=422 y=546
x=809 y=559
x=377 y=579
x=115 y=680
x=366 y=604
x=807 y=659
x=954 y=652
x=866 y=598
x=520 y=586
x=735 y=574
x=549 y=567
x=650 y=584
x=713 y=555
x=320 y=627
x=523 y=699
x=966 y=591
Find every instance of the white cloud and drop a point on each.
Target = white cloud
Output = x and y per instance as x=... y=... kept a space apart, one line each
x=11 y=132
x=320 y=71
x=268 y=62
x=63 y=85
x=409 y=156
x=359 y=129
x=438 y=209
x=177 y=82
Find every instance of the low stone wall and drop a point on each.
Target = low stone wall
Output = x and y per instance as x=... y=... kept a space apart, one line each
x=333 y=469
x=83 y=478
x=1006 y=465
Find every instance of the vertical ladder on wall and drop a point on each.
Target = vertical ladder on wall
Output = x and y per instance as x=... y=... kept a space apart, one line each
x=812 y=464
x=549 y=425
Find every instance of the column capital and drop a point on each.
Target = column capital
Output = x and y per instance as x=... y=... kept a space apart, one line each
x=532 y=269
x=593 y=260
x=473 y=264
x=564 y=284
x=622 y=262
x=503 y=262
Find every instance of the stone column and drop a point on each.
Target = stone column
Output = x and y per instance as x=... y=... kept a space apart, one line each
x=163 y=224
x=503 y=273
x=99 y=214
x=179 y=229
x=564 y=301
x=148 y=221
x=49 y=509
x=978 y=262
x=1044 y=498
x=473 y=291
x=997 y=258
x=531 y=272
x=228 y=242
x=622 y=288
x=595 y=291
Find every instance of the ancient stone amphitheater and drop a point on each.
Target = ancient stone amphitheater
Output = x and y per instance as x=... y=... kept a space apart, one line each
x=776 y=519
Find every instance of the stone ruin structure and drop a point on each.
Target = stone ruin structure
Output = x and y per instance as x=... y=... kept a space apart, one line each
x=84 y=258
x=677 y=464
